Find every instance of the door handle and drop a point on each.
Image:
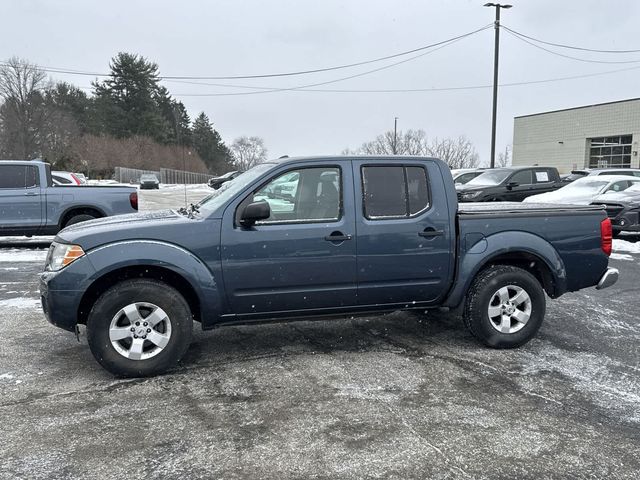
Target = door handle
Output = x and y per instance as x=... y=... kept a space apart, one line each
x=30 y=194
x=431 y=233
x=337 y=237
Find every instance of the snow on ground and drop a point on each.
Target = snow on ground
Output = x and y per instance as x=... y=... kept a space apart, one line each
x=624 y=246
x=172 y=196
x=621 y=256
x=27 y=240
x=20 y=302
x=22 y=255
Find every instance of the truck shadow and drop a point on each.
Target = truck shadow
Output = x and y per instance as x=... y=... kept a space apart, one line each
x=400 y=332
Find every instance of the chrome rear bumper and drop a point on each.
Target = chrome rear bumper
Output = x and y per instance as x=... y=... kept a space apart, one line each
x=609 y=278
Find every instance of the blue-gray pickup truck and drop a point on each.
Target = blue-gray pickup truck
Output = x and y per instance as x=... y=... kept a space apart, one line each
x=31 y=205
x=348 y=235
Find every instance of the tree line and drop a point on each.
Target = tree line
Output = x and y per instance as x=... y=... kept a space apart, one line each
x=129 y=119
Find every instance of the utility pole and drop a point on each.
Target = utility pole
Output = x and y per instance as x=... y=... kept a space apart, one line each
x=395 y=135
x=495 y=78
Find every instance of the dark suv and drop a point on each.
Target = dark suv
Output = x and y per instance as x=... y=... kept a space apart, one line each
x=512 y=184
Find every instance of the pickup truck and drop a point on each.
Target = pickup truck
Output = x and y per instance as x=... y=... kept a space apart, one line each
x=30 y=204
x=512 y=184
x=354 y=235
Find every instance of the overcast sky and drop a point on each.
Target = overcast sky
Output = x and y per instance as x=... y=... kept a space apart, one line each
x=235 y=37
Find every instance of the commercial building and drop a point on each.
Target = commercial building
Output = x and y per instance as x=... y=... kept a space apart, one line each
x=594 y=136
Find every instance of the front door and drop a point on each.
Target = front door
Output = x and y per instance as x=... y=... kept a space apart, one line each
x=20 y=202
x=519 y=186
x=303 y=257
x=405 y=238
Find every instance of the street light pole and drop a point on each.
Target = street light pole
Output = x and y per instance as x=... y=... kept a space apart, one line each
x=395 y=135
x=495 y=78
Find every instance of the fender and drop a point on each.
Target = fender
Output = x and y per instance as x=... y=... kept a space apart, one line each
x=493 y=246
x=111 y=257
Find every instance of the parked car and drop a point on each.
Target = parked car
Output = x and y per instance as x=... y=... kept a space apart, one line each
x=364 y=234
x=462 y=176
x=584 y=190
x=83 y=179
x=148 y=181
x=623 y=208
x=216 y=182
x=65 y=178
x=512 y=184
x=32 y=205
x=576 y=174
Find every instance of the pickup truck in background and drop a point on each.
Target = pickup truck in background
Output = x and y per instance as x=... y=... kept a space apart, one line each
x=352 y=235
x=31 y=205
x=511 y=184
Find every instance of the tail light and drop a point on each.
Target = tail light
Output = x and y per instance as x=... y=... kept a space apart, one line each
x=133 y=199
x=606 y=236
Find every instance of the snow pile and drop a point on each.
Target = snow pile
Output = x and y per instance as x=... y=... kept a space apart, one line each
x=624 y=246
x=18 y=255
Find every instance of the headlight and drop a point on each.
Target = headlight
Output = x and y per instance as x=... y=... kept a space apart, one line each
x=470 y=195
x=61 y=254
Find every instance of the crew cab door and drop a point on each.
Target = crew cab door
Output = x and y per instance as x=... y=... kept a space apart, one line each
x=303 y=257
x=519 y=186
x=405 y=239
x=20 y=202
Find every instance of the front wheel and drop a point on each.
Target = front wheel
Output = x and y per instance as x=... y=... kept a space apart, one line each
x=505 y=307
x=139 y=328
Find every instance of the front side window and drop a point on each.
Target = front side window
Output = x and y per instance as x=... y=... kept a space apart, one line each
x=522 y=178
x=303 y=195
x=13 y=176
x=394 y=191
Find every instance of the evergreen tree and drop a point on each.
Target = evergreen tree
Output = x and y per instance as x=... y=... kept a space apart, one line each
x=127 y=103
x=209 y=145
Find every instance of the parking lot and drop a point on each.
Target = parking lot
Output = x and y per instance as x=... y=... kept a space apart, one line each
x=393 y=396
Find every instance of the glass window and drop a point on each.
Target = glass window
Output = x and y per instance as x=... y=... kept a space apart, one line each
x=13 y=176
x=418 y=189
x=32 y=179
x=610 y=152
x=522 y=178
x=305 y=195
x=394 y=191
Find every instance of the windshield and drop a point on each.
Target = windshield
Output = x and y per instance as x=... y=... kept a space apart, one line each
x=585 y=185
x=229 y=189
x=493 y=177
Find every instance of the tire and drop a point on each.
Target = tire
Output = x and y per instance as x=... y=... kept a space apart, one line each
x=109 y=328
x=509 y=327
x=78 y=218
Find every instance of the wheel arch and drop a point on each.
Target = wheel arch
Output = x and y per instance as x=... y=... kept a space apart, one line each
x=533 y=254
x=71 y=212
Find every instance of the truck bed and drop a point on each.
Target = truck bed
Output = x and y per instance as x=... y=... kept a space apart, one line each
x=517 y=208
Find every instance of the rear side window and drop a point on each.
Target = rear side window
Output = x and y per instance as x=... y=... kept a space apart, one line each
x=394 y=191
x=13 y=176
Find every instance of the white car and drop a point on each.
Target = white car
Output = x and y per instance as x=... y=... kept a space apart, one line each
x=584 y=190
x=66 y=178
x=464 y=175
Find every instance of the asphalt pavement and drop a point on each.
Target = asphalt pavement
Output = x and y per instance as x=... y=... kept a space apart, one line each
x=387 y=396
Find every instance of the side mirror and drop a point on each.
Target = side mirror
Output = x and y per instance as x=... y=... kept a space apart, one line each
x=512 y=184
x=255 y=212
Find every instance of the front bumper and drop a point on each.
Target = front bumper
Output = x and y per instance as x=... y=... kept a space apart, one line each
x=609 y=278
x=60 y=307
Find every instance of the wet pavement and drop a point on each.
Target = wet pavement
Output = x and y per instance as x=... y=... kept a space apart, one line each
x=388 y=396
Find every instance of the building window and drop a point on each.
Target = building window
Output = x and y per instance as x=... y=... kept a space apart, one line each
x=610 y=152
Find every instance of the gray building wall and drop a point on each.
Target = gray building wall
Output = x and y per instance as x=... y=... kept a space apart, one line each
x=560 y=139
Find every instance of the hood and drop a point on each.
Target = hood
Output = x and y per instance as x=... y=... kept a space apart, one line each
x=162 y=225
x=473 y=188
x=558 y=198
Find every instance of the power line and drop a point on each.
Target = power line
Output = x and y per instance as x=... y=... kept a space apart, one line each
x=585 y=60
x=572 y=47
x=272 y=75
x=437 y=89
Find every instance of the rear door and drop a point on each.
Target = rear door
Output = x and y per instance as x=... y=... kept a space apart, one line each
x=545 y=180
x=405 y=242
x=20 y=202
x=303 y=257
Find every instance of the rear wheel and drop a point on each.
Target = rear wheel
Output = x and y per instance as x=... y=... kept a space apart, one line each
x=139 y=328
x=505 y=307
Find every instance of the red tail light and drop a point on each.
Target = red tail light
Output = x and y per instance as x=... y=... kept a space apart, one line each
x=133 y=198
x=606 y=236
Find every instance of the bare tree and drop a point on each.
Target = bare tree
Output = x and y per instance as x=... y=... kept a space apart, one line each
x=504 y=158
x=23 y=113
x=411 y=142
x=248 y=152
x=455 y=152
